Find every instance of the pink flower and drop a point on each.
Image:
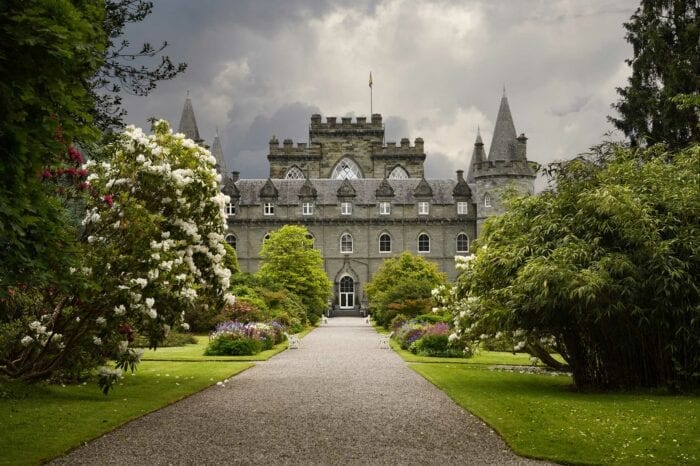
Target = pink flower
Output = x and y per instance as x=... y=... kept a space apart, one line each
x=75 y=155
x=82 y=172
x=46 y=174
x=108 y=199
x=84 y=185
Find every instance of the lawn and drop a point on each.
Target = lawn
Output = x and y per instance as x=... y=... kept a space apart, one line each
x=40 y=422
x=541 y=417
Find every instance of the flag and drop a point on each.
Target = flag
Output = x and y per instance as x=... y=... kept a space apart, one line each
x=370 y=79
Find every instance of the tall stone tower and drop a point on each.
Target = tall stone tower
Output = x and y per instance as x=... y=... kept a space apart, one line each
x=506 y=166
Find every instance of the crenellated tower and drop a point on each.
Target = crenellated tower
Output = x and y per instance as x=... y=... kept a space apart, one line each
x=505 y=168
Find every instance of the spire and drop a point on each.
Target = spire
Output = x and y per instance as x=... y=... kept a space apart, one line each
x=478 y=156
x=218 y=154
x=188 y=124
x=503 y=142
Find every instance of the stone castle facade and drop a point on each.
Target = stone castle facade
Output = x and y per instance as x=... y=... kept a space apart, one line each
x=364 y=200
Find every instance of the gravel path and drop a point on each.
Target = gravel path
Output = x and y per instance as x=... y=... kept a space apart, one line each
x=337 y=400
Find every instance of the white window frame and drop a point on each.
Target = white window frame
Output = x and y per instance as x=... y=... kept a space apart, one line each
x=269 y=208
x=352 y=243
x=487 y=200
x=385 y=208
x=457 y=243
x=419 y=237
x=346 y=208
x=307 y=208
x=380 y=243
x=423 y=208
x=230 y=209
x=462 y=208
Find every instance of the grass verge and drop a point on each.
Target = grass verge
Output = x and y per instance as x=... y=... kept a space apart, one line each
x=541 y=417
x=40 y=422
x=196 y=352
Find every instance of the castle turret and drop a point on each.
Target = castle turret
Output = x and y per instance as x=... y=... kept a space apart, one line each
x=478 y=156
x=218 y=154
x=188 y=123
x=506 y=167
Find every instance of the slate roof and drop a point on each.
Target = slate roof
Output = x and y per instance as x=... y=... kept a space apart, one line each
x=504 y=136
x=218 y=154
x=188 y=124
x=327 y=189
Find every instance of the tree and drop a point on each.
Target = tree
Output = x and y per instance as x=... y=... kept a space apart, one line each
x=290 y=262
x=118 y=73
x=665 y=36
x=153 y=249
x=402 y=285
x=604 y=268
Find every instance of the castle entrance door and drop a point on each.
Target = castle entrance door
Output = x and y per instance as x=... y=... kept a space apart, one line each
x=347 y=293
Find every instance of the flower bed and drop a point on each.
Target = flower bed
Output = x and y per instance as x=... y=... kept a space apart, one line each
x=238 y=339
x=426 y=339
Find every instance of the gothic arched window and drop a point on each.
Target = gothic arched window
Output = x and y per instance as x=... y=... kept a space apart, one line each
x=462 y=243
x=423 y=243
x=398 y=173
x=384 y=242
x=346 y=169
x=231 y=240
x=346 y=243
x=487 y=200
x=294 y=173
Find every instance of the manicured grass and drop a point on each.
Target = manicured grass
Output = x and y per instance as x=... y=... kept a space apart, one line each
x=482 y=357
x=43 y=421
x=541 y=417
x=196 y=352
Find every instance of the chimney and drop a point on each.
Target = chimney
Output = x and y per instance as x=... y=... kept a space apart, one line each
x=235 y=175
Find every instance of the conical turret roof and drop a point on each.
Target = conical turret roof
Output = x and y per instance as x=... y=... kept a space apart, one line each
x=218 y=154
x=478 y=155
x=188 y=123
x=503 y=142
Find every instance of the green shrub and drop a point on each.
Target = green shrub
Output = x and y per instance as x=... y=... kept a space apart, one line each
x=398 y=321
x=173 y=339
x=224 y=345
x=432 y=319
x=435 y=346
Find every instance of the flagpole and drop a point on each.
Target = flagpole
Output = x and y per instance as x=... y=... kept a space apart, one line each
x=371 y=109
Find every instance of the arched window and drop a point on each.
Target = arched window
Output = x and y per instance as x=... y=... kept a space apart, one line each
x=487 y=200
x=295 y=173
x=346 y=243
x=346 y=169
x=231 y=240
x=266 y=237
x=398 y=173
x=347 y=292
x=462 y=243
x=423 y=243
x=311 y=238
x=384 y=242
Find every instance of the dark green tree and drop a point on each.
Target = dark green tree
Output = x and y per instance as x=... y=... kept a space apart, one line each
x=665 y=36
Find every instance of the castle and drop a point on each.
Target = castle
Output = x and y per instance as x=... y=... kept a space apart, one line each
x=364 y=200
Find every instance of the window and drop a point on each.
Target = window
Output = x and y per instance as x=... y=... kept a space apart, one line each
x=398 y=173
x=266 y=237
x=231 y=240
x=384 y=242
x=347 y=293
x=269 y=208
x=307 y=208
x=384 y=208
x=462 y=208
x=423 y=243
x=423 y=208
x=230 y=209
x=346 y=243
x=346 y=169
x=462 y=243
x=294 y=173
x=311 y=238
x=346 y=208
x=487 y=200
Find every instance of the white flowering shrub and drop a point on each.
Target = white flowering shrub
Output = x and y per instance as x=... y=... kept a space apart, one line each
x=153 y=249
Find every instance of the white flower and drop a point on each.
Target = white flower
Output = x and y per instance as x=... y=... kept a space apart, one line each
x=452 y=337
x=229 y=299
x=27 y=340
x=72 y=270
x=101 y=320
x=97 y=341
x=150 y=302
x=140 y=158
x=91 y=239
x=185 y=326
x=142 y=282
x=123 y=346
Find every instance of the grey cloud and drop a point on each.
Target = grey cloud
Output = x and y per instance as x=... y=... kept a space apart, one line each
x=572 y=106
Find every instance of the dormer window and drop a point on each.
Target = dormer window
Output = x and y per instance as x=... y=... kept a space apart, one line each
x=462 y=208
x=230 y=209
x=384 y=208
x=423 y=208
x=346 y=208
x=307 y=208
x=269 y=208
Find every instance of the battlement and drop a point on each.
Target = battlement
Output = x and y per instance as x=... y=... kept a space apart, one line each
x=492 y=168
x=287 y=149
x=402 y=149
x=345 y=126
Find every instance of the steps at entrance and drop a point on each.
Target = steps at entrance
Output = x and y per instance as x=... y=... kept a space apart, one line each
x=345 y=313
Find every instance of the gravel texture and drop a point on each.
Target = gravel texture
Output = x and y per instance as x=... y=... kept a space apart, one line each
x=337 y=400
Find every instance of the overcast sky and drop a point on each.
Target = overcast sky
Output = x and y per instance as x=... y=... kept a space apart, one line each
x=262 y=67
